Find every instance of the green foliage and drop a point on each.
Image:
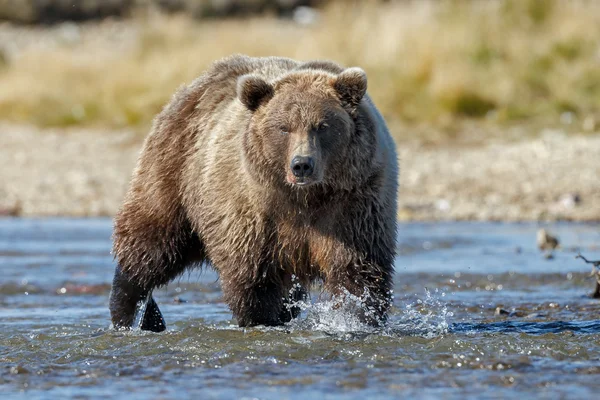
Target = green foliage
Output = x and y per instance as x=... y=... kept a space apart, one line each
x=469 y=104
x=484 y=55
x=538 y=11
x=568 y=50
x=435 y=64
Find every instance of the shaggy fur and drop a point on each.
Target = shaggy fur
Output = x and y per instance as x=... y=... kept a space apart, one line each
x=214 y=186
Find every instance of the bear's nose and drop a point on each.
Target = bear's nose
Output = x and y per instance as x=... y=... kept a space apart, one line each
x=302 y=166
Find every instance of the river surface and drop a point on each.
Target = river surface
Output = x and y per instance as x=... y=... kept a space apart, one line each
x=478 y=312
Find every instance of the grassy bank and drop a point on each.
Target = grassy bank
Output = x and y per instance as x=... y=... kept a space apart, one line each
x=436 y=64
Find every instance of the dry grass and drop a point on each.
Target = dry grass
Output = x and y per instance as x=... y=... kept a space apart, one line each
x=430 y=63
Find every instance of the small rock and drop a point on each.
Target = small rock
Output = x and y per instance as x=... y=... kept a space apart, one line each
x=11 y=211
x=514 y=313
x=18 y=370
x=442 y=205
x=518 y=250
x=570 y=200
x=501 y=311
x=305 y=16
x=546 y=241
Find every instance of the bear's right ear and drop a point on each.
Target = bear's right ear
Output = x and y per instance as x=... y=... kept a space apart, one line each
x=253 y=91
x=351 y=86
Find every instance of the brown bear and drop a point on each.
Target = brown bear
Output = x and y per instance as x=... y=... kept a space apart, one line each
x=274 y=172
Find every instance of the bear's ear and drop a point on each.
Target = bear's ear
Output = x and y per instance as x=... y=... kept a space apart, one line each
x=351 y=86
x=253 y=91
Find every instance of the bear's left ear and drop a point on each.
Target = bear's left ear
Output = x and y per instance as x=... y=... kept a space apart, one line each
x=253 y=91
x=351 y=86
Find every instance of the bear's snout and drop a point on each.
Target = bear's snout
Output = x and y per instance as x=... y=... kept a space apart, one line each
x=302 y=166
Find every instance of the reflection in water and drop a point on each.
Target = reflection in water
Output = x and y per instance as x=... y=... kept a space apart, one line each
x=471 y=316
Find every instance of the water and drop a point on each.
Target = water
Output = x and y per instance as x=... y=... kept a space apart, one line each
x=444 y=338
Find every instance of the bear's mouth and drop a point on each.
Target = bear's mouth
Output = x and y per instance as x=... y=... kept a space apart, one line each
x=300 y=181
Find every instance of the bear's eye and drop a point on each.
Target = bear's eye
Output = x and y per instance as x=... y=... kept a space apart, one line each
x=284 y=130
x=322 y=127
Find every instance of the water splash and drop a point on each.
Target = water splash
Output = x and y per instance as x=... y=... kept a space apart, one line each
x=340 y=316
x=335 y=315
x=427 y=317
x=140 y=312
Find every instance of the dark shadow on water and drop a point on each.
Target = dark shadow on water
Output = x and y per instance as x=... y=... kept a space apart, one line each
x=534 y=328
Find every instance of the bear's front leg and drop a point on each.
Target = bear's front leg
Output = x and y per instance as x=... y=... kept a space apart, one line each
x=132 y=305
x=257 y=299
x=291 y=308
x=367 y=281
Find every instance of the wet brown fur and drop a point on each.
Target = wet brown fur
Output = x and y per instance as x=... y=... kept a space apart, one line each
x=211 y=187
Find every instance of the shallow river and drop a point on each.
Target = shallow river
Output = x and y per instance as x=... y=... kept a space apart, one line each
x=446 y=337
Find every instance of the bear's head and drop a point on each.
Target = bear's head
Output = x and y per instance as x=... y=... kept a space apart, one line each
x=303 y=125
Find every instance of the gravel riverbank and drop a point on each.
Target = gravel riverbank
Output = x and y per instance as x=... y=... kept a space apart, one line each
x=554 y=176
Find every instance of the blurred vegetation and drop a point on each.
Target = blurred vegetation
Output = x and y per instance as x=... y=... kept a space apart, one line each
x=430 y=63
x=51 y=11
x=34 y=11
